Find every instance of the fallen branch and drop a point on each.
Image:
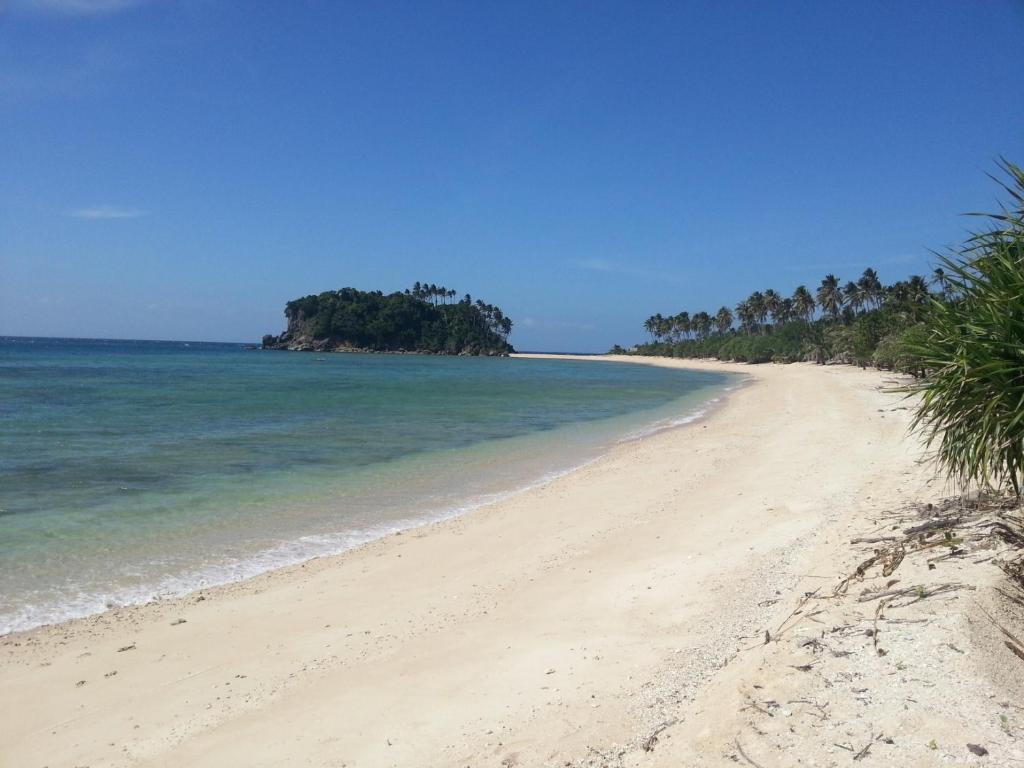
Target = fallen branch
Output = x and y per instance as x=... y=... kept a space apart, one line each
x=931 y=525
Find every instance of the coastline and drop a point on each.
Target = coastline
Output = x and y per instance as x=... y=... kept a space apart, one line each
x=585 y=611
x=468 y=477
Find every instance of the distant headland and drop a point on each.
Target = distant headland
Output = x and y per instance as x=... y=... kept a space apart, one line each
x=424 y=319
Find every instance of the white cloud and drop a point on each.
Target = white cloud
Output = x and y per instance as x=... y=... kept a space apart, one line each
x=78 y=7
x=100 y=212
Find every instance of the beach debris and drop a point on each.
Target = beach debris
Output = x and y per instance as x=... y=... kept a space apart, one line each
x=874 y=633
x=977 y=749
x=549 y=671
x=124 y=648
x=795 y=616
x=80 y=683
x=111 y=673
x=651 y=741
x=745 y=756
x=176 y=622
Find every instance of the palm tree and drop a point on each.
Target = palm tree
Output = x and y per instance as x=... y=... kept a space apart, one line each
x=803 y=303
x=664 y=326
x=682 y=324
x=723 y=320
x=898 y=292
x=772 y=303
x=702 y=324
x=786 y=312
x=852 y=296
x=658 y=326
x=745 y=315
x=918 y=289
x=757 y=308
x=830 y=298
x=871 y=288
x=649 y=325
x=941 y=281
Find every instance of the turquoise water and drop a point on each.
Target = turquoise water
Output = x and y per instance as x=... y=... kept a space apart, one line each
x=134 y=470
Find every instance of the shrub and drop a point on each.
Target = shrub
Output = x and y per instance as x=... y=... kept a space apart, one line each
x=971 y=406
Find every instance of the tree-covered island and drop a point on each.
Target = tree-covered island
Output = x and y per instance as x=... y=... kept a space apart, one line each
x=424 y=318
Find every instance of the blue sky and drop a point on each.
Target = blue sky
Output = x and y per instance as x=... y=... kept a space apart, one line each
x=178 y=170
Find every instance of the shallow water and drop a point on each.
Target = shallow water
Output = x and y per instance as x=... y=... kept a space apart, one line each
x=132 y=470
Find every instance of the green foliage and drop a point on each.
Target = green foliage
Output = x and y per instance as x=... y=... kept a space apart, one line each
x=898 y=351
x=971 y=405
x=792 y=342
x=419 y=320
x=855 y=319
x=858 y=340
x=787 y=343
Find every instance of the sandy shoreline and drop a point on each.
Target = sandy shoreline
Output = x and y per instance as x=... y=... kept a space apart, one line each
x=587 y=612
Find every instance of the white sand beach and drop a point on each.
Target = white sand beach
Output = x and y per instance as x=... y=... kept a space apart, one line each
x=566 y=625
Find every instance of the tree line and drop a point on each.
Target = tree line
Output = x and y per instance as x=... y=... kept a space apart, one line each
x=763 y=310
x=960 y=332
x=861 y=321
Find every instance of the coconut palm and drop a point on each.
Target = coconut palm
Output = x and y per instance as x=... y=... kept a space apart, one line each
x=772 y=303
x=898 y=292
x=723 y=320
x=664 y=326
x=657 y=324
x=872 y=291
x=683 y=324
x=940 y=280
x=702 y=324
x=757 y=308
x=803 y=303
x=917 y=289
x=852 y=296
x=745 y=315
x=786 y=312
x=830 y=297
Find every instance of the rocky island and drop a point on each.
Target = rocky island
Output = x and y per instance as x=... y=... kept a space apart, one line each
x=423 y=319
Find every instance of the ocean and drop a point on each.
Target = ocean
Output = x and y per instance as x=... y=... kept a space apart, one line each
x=135 y=470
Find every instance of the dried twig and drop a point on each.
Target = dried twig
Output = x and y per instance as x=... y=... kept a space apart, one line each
x=874 y=635
x=649 y=743
x=745 y=756
x=799 y=609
